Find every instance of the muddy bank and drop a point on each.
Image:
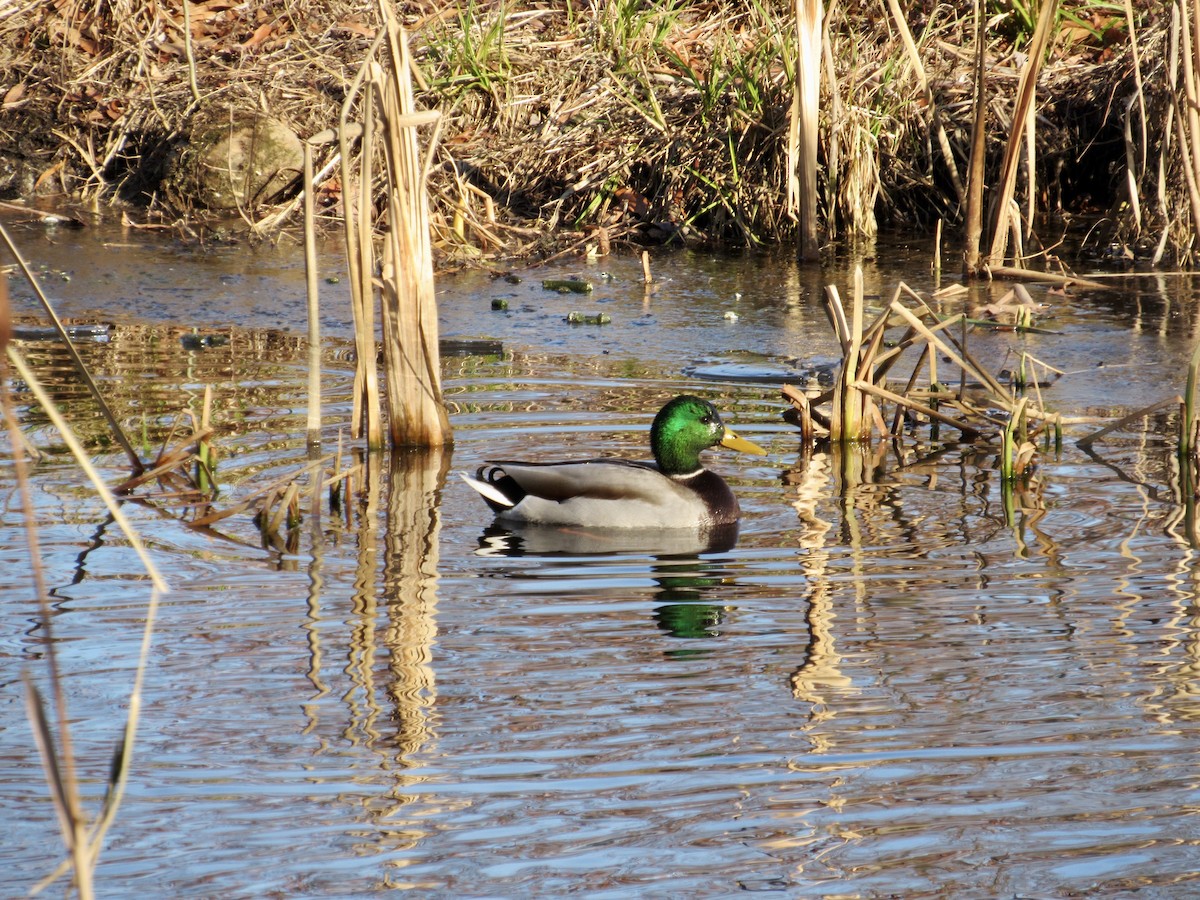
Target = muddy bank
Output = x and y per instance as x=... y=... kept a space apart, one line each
x=657 y=123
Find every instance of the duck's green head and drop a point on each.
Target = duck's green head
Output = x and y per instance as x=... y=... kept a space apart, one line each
x=685 y=427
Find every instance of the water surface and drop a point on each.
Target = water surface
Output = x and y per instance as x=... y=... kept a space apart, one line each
x=887 y=687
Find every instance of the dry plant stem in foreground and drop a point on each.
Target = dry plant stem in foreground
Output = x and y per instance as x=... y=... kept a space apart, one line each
x=1026 y=97
x=314 y=312
x=802 y=132
x=360 y=256
x=83 y=839
x=973 y=235
x=416 y=412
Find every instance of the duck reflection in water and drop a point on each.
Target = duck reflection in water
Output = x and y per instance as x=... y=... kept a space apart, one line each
x=684 y=614
x=512 y=539
x=686 y=580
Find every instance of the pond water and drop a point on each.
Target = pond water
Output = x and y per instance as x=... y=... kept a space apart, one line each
x=887 y=687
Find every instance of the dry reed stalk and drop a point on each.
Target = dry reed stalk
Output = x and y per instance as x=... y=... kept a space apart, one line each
x=360 y=257
x=83 y=458
x=800 y=404
x=925 y=360
x=1023 y=109
x=82 y=839
x=854 y=413
x=833 y=147
x=853 y=402
x=417 y=415
x=168 y=461
x=59 y=766
x=1139 y=87
x=968 y=430
x=1187 y=119
x=933 y=111
x=312 y=296
x=1168 y=130
x=6 y=327
x=1132 y=175
x=957 y=354
x=861 y=381
x=1085 y=443
x=1049 y=278
x=277 y=487
x=1030 y=181
x=836 y=313
x=803 y=188
x=973 y=235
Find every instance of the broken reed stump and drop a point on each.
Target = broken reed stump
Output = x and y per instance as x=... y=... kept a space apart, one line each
x=417 y=414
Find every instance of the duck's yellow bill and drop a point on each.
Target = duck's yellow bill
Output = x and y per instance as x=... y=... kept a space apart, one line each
x=733 y=442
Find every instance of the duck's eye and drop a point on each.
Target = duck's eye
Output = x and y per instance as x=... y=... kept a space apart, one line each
x=707 y=420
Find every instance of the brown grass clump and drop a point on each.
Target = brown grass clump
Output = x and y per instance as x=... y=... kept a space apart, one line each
x=101 y=95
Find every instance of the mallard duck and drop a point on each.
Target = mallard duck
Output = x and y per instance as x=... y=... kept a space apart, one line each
x=675 y=491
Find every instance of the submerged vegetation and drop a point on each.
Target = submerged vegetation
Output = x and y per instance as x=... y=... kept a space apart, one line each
x=648 y=122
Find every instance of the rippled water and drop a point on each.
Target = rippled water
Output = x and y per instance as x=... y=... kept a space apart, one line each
x=887 y=687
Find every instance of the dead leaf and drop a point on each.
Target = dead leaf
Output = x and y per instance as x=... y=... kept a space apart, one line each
x=47 y=175
x=261 y=33
x=633 y=202
x=356 y=28
x=15 y=93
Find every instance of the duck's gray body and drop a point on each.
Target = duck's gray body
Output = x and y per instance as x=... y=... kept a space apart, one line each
x=605 y=493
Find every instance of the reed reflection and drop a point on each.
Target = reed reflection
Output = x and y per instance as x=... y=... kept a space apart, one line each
x=392 y=618
x=819 y=671
x=410 y=571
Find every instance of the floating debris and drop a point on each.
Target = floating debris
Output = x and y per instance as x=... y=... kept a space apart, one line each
x=470 y=347
x=578 y=318
x=568 y=285
x=499 y=303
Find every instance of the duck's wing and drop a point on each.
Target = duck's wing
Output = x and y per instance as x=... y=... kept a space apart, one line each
x=598 y=479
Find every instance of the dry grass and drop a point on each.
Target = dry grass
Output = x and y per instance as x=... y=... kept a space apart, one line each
x=653 y=122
